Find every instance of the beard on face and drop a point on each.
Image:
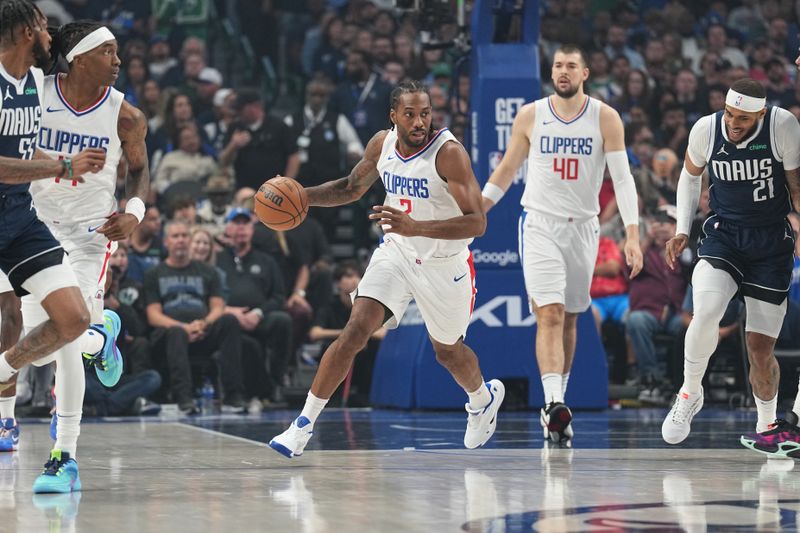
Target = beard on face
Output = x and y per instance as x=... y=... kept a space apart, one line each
x=41 y=57
x=411 y=141
x=566 y=93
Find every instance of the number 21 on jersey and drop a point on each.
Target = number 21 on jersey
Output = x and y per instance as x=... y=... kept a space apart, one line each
x=567 y=167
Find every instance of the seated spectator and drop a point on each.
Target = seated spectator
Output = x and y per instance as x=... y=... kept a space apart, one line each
x=183 y=208
x=215 y=208
x=257 y=300
x=186 y=309
x=128 y=397
x=145 y=245
x=204 y=249
x=187 y=163
x=609 y=290
x=656 y=298
x=330 y=321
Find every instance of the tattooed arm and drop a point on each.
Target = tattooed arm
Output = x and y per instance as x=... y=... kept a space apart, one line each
x=132 y=129
x=351 y=188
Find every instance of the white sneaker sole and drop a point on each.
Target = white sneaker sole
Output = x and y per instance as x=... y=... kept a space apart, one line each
x=499 y=393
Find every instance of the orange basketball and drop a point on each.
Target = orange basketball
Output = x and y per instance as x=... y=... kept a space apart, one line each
x=281 y=203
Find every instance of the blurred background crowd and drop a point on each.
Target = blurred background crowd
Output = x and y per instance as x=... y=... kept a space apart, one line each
x=237 y=91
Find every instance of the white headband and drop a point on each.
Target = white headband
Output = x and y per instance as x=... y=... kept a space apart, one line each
x=90 y=42
x=751 y=104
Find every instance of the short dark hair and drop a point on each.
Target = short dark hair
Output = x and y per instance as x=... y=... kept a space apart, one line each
x=749 y=87
x=408 y=87
x=16 y=13
x=70 y=34
x=569 y=48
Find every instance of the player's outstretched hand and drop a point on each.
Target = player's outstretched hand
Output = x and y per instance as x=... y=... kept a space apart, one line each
x=393 y=220
x=119 y=227
x=633 y=256
x=675 y=247
x=88 y=161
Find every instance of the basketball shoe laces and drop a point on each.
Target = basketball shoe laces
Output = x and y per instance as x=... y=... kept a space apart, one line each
x=682 y=409
x=96 y=360
x=52 y=466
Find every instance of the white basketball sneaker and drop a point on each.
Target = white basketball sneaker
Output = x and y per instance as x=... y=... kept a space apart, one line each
x=677 y=425
x=482 y=422
x=292 y=442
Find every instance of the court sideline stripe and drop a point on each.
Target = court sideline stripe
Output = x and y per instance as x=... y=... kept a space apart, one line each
x=220 y=434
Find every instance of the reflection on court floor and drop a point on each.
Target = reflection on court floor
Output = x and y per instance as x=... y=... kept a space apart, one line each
x=379 y=471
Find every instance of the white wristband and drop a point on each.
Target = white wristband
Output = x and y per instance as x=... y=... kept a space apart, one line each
x=492 y=192
x=135 y=207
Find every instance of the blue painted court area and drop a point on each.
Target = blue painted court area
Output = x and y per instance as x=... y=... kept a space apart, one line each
x=379 y=429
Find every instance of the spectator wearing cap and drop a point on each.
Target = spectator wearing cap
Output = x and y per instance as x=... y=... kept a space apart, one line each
x=258 y=146
x=362 y=97
x=779 y=92
x=257 y=300
x=159 y=57
x=215 y=208
x=188 y=162
x=224 y=114
x=656 y=297
x=209 y=81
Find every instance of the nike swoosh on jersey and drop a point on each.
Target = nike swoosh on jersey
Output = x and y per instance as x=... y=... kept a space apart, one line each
x=459 y=277
x=390 y=157
x=545 y=123
x=51 y=110
x=91 y=229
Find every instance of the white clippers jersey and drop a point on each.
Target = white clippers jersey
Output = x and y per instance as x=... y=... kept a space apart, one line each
x=413 y=185
x=566 y=162
x=65 y=132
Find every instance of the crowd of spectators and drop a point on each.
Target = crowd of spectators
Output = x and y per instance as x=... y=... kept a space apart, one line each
x=206 y=293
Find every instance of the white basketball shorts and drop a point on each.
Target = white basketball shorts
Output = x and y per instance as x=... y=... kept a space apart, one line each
x=88 y=254
x=558 y=259
x=444 y=289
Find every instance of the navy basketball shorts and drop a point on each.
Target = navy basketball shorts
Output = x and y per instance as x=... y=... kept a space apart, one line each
x=760 y=259
x=28 y=248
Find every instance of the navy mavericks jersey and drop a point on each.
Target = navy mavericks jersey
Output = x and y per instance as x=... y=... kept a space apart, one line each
x=20 y=118
x=748 y=184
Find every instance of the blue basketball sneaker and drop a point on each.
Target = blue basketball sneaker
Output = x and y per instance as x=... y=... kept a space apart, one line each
x=60 y=474
x=108 y=361
x=9 y=435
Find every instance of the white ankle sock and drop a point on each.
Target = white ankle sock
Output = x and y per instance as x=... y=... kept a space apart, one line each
x=7 y=406
x=67 y=431
x=564 y=381
x=6 y=370
x=92 y=341
x=480 y=398
x=767 y=412
x=552 y=383
x=313 y=407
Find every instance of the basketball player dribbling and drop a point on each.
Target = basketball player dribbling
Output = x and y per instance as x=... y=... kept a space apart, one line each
x=431 y=213
x=82 y=108
x=568 y=138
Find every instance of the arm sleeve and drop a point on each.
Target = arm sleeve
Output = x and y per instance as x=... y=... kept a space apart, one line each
x=786 y=136
x=688 y=195
x=700 y=141
x=624 y=187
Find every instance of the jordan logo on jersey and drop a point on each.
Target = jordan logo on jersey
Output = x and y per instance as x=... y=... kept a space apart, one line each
x=722 y=150
x=742 y=170
x=8 y=94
